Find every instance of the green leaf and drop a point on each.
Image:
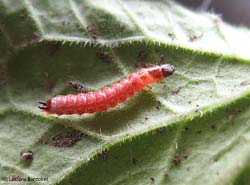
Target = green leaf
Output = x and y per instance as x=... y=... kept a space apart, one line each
x=192 y=128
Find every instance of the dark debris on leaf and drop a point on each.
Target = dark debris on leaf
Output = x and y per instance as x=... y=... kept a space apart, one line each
x=193 y=38
x=152 y=179
x=179 y=158
x=233 y=113
x=159 y=131
x=141 y=56
x=213 y=126
x=166 y=174
x=104 y=56
x=134 y=161
x=245 y=83
x=54 y=47
x=92 y=29
x=64 y=140
x=158 y=106
x=25 y=155
x=78 y=87
x=140 y=65
x=162 y=59
x=172 y=36
x=24 y=14
x=103 y=154
x=176 y=90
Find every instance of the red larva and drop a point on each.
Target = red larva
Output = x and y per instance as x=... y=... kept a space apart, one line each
x=108 y=97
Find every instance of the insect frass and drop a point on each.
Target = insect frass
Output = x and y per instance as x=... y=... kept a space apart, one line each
x=108 y=97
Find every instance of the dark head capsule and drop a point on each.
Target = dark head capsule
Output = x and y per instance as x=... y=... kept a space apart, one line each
x=167 y=69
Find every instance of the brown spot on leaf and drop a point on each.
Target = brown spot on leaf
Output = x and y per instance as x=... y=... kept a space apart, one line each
x=79 y=87
x=245 y=83
x=134 y=161
x=213 y=126
x=23 y=14
x=141 y=56
x=172 y=36
x=159 y=131
x=152 y=179
x=25 y=155
x=233 y=113
x=193 y=38
x=54 y=48
x=104 y=56
x=103 y=154
x=176 y=91
x=166 y=174
x=185 y=156
x=64 y=140
x=179 y=158
x=162 y=59
x=92 y=29
x=158 y=105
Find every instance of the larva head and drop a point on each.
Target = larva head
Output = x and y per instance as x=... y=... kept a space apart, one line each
x=45 y=106
x=167 y=69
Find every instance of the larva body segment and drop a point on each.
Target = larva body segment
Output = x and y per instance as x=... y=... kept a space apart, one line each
x=108 y=97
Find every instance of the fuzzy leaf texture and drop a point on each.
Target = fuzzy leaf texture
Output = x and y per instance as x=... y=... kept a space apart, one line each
x=192 y=128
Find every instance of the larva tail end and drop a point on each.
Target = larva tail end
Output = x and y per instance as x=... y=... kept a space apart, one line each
x=42 y=105
x=45 y=106
x=167 y=69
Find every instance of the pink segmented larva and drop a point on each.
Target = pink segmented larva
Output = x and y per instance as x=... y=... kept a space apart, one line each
x=108 y=97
